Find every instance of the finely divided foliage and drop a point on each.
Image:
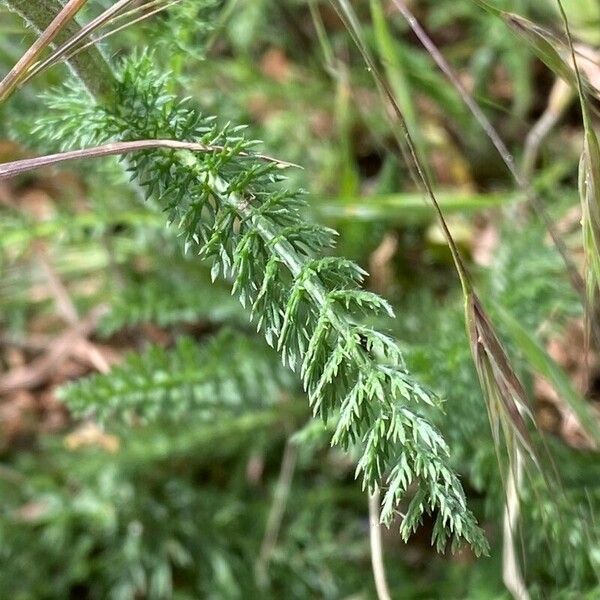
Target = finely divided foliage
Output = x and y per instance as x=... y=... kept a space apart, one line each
x=235 y=211
x=224 y=377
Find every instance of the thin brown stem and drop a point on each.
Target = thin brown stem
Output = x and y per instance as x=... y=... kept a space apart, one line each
x=121 y=27
x=11 y=81
x=89 y=66
x=348 y=17
x=17 y=167
x=519 y=176
x=70 y=48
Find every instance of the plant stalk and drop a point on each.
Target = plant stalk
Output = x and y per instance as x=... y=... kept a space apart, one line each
x=377 y=562
x=89 y=66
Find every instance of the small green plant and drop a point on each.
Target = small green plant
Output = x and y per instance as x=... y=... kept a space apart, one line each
x=267 y=339
x=235 y=211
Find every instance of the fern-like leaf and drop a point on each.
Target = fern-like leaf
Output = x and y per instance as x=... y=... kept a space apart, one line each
x=236 y=212
x=227 y=375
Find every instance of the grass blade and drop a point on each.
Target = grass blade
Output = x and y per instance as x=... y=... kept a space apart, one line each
x=542 y=364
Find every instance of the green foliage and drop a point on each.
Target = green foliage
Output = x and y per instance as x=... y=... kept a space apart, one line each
x=134 y=524
x=143 y=300
x=564 y=520
x=237 y=212
x=200 y=407
x=226 y=375
x=532 y=290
